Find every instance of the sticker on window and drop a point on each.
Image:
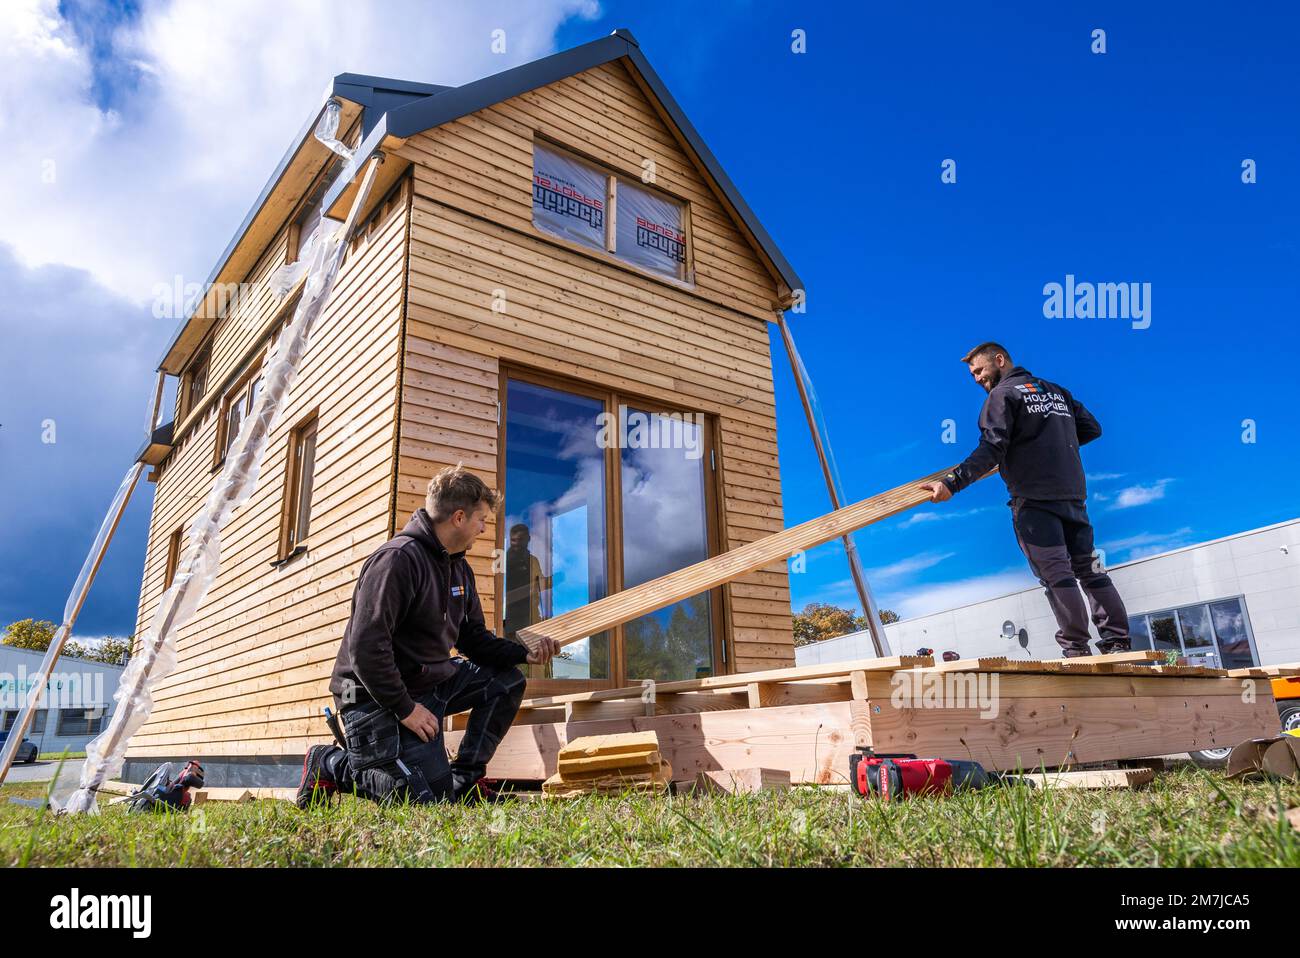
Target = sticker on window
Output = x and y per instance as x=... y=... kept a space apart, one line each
x=651 y=231
x=568 y=198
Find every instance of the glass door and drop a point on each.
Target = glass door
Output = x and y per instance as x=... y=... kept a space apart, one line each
x=602 y=495
x=663 y=473
x=555 y=519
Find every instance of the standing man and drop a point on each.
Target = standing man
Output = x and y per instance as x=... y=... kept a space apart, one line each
x=1031 y=430
x=524 y=586
x=395 y=679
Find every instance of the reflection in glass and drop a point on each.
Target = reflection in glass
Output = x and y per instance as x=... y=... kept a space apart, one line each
x=1234 y=641
x=555 y=520
x=1164 y=633
x=1195 y=621
x=665 y=527
x=1139 y=635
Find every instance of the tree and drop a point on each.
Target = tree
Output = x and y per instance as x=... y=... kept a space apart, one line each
x=821 y=620
x=30 y=634
x=111 y=649
x=37 y=634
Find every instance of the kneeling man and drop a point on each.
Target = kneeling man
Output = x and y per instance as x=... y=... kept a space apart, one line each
x=395 y=679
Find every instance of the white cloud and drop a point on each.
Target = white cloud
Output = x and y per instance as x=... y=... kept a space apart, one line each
x=923 y=517
x=940 y=597
x=1147 y=543
x=1139 y=495
x=158 y=185
x=1104 y=476
x=907 y=567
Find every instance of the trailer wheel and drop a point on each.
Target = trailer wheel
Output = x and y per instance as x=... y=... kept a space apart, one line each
x=1290 y=716
x=1211 y=757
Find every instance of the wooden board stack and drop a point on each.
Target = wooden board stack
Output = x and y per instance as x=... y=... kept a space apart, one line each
x=609 y=764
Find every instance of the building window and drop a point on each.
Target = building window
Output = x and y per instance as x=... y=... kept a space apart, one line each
x=75 y=722
x=578 y=201
x=299 y=475
x=235 y=409
x=173 y=556
x=592 y=482
x=38 y=721
x=1209 y=633
x=194 y=381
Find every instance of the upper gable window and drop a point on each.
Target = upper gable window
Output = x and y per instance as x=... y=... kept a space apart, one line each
x=579 y=201
x=569 y=197
x=651 y=230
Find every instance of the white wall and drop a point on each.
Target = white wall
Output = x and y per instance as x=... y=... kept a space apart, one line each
x=1262 y=565
x=75 y=683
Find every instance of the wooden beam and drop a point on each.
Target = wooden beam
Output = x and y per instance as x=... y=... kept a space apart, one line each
x=1099 y=778
x=739 y=680
x=694 y=579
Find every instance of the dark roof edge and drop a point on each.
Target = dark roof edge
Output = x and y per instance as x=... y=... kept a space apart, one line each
x=462 y=100
x=761 y=235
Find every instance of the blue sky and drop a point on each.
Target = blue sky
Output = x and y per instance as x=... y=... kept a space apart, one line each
x=1116 y=167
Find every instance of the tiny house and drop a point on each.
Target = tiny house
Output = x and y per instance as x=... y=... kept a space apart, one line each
x=552 y=282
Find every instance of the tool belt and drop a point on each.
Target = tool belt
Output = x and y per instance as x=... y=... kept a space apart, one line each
x=374 y=748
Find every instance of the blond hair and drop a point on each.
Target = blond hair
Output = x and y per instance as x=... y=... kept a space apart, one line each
x=455 y=488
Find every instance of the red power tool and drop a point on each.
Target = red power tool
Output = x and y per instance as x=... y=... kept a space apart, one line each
x=890 y=777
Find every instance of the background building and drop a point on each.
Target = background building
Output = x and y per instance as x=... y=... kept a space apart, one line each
x=78 y=698
x=1230 y=602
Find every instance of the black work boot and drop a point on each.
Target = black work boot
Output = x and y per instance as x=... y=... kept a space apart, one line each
x=317 y=783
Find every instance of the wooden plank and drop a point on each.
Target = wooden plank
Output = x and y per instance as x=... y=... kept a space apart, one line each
x=889 y=663
x=702 y=576
x=623 y=743
x=1091 y=779
x=1273 y=671
x=741 y=781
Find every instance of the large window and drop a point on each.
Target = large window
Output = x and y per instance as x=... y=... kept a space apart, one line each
x=194 y=381
x=581 y=202
x=235 y=409
x=173 y=556
x=299 y=476
x=601 y=495
x=38 y=721
x=1211 y=633
x=76 y=722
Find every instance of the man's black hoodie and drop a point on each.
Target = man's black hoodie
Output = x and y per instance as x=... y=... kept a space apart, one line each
x=413 y=602
x=1031 y=429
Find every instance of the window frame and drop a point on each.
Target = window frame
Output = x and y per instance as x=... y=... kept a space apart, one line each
x=173 y=556
x=186 y=400
x=719 y=606
x=240 y=390
x=292 y=540
x=92 y=726
x=612 y=175
x=1173 y=611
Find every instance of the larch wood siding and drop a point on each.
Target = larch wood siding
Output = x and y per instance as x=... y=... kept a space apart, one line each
x=582 y=316
x=254 y=662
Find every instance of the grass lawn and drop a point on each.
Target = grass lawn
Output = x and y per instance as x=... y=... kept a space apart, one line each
x=1185 y=817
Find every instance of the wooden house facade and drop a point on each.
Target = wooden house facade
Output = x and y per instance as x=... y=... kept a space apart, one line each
x=553 y=283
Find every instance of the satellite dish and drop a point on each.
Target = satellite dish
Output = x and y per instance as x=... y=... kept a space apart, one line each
x=1008 y=629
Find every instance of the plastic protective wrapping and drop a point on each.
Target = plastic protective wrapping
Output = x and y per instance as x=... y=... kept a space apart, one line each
x=155 y=655
x=650 y=230
x=568 y=198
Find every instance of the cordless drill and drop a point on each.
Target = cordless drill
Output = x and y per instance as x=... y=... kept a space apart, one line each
x=890 y=777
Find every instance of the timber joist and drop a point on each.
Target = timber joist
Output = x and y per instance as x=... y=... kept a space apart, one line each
x=1127 y=675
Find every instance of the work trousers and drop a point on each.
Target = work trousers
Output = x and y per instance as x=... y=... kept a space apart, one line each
x=1057 y=539
x=387 y=761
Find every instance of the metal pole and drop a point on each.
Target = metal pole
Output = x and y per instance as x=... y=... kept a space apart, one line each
x=80 y=590
x=874 y=625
